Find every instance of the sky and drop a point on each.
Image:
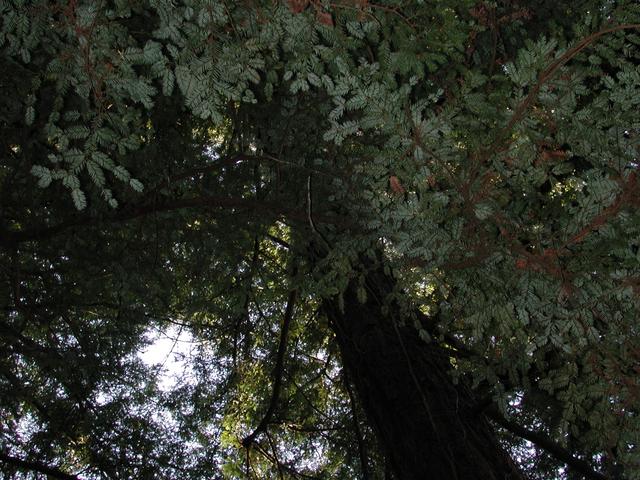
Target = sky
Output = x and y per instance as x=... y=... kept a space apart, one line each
x=169 y=351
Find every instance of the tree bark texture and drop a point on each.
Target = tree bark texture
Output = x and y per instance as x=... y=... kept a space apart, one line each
x=428 y=427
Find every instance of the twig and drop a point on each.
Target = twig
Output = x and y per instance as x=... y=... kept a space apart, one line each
x=278 y=241
x=275 y=456
x=548 y=73
x=53 y=472
x=356 y=427
x=545 y=443
x=11 y=239
x=277 y=373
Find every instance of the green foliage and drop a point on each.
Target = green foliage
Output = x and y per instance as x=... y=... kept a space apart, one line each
x=231 y=143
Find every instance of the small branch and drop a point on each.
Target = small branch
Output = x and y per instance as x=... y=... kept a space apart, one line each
x=275 y=456
x=362 y=452
x=277 y=373
x=244 y=315
x=292 y=471
x=548 y=445
x=629 y=196
x=125 y=214
x=278 y=241
x=253 y=206
x=48 y=470
x=548 y=73
x=151 y=204
x=320 y=430
x=223 y=162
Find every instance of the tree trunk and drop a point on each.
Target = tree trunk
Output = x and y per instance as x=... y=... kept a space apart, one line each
x=428 y=426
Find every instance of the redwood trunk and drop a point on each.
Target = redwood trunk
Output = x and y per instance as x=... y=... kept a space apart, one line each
x=427 y=425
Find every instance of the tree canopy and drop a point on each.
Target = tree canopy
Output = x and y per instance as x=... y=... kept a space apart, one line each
x=400 y=239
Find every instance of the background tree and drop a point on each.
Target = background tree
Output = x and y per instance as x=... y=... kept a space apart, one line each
x=401 y=237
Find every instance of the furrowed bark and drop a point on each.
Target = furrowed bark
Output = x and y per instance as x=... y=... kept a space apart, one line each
x=427 y=426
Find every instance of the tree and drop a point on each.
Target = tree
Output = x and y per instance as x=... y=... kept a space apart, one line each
x=400 y=237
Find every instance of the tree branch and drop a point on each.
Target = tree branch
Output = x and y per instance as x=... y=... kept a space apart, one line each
x=277 y=373
x=50 y=471
x=10 y=239
x=278 y=241
x=229 y=161
x=548 y=73
x=275 y=456
x=545 y=443
x=362 y=452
